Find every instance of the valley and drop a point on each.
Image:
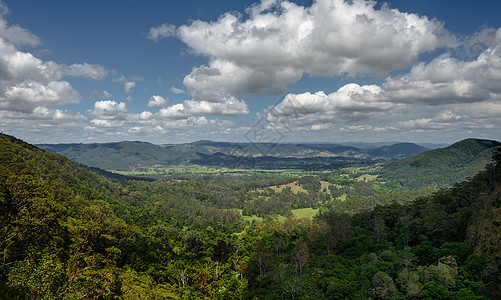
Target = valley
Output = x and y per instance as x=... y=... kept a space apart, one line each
x=157 y=226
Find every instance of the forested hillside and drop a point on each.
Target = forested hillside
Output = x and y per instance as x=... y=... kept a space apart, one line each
x=120 y=156
x=130 y=156
x=68 y=233
x=441 y=168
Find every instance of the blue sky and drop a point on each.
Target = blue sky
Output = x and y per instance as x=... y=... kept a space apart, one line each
x=245 y=71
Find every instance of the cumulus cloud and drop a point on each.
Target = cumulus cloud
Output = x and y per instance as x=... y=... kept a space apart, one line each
x=129 y=85
x=350 y=104
x=43 y=125
x=157 y=101
x=48 y=115
x=24 y=96
x=112 y=120
x=175 y=112
x=108 y=114
x=162 y=31
x=447 y=80
x=229 y=107
x=27 y=82
x=280 y=41
x=108 y=108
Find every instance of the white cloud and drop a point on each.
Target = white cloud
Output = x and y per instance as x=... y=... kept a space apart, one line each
x=27 y=82
x=55 y=114
x=162 y=31
x=96 y=72
x=447 y=80
x=230 y=107
x=175 y=90
x=43 y=125
x=145 y=115
x=24 y=96
x=175 y=111
x=15 y=34
x=129 y=85
x=157 y=101
x=47 y=115
x=279 y=42
x=108 y=108
x=119 y=79
x=98 y=94
x=350 y=104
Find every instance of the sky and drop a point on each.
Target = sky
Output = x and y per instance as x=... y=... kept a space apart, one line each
x=250 y=71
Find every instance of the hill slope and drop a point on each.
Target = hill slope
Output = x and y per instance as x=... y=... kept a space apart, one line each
x=132 y=155
x=442 y=167
x=397 y=151
x=120 y=156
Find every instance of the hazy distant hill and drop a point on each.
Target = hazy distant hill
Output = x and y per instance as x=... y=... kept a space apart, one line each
x=120 y=156
x=130 y=155
x=399 y=150
x=442 y=167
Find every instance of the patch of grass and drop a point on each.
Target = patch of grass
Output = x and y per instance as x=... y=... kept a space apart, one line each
x=252 y=218
x=249 y=218
x=326 y=185
x=366 y=177
x=295 y=188
x=305 y=212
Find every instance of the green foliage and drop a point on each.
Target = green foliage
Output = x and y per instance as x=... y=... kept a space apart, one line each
x=441 y=168
x=67 y=233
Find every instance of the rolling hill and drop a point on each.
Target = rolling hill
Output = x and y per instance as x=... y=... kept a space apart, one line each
x=442 y=167
x=120 y=156
x=396 y=151
x=129 y=155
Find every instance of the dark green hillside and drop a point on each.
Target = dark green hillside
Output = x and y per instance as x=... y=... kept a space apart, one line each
x=441 y=167
x=57 y=235
x=120 y=156
x=67 y=233
x=397 y=151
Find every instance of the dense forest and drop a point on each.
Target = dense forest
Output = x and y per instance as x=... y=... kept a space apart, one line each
x=67 y=232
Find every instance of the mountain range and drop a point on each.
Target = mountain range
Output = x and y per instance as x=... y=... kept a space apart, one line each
x=130 y=154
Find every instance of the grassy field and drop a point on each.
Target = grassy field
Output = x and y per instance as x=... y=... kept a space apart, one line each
x=295 y=188
x=250 y=218
x=326 y=185
x=200 y=170
x=367 y=177
x=304 y=212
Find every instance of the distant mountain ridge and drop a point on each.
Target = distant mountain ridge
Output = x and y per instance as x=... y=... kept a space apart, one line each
x=119 y=156
x=399 y=150
x=128 y=155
